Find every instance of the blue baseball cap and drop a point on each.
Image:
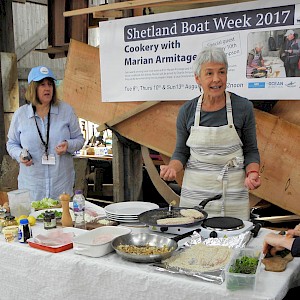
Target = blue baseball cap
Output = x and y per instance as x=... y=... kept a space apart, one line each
x=39 y=73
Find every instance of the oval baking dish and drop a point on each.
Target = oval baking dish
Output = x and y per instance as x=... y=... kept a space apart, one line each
x=97 y=242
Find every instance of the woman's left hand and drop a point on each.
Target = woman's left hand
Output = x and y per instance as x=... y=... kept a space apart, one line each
x=61 y=148
x=252 y=181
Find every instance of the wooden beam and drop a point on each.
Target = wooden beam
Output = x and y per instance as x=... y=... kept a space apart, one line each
x=161 y=186
x=108 y=14
x=42 y=2
x=7 y=43
x=133 y=4
x=127 y=115
x=32 y=42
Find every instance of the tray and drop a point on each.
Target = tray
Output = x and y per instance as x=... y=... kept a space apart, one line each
x=53 y=249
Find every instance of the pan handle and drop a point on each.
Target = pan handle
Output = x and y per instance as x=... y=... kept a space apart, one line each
x=256 y=229
x=187 y=234
x=205 y=201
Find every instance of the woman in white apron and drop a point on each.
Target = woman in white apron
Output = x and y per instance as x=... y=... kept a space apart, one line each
x=216 y=143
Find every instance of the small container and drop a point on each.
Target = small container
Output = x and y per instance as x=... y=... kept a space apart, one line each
x=10 y=221
x=10 y=233
x=239 y=281
x=2 y=212
x=24 y=231
x=49 y=220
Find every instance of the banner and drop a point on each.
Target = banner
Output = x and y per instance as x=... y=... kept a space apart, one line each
x=150 y=57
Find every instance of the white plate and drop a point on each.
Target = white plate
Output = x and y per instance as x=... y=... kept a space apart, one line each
x=122 y=220
x=122 y=217
x=38 y=212
x=132 y=208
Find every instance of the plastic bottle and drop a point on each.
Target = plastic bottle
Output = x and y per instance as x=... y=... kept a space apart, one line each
x=24 y=232
x=79 y=209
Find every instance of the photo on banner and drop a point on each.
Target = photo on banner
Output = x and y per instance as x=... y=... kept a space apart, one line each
x=150 y=58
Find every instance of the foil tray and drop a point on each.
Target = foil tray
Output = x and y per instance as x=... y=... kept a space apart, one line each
x=216 y=276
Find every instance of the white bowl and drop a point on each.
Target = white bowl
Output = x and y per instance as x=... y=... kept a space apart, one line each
x=97 y=242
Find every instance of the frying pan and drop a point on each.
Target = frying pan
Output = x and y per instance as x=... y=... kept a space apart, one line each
x=150 y=217
x=143 y=239
x=258 y=73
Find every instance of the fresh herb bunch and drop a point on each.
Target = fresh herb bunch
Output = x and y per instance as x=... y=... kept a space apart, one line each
x=244 y=265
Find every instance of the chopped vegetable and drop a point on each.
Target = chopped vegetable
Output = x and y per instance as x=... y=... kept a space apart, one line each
x=244 y=265
x=44 y=203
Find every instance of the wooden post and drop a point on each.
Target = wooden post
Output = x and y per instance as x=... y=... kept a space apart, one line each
x=118 y=170
x=127 y=172
x=7 y=44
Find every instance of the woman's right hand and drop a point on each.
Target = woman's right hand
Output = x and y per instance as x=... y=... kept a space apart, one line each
x=26 y=162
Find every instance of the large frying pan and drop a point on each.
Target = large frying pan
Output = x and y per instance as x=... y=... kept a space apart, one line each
x=143 y=239
x=150 y=217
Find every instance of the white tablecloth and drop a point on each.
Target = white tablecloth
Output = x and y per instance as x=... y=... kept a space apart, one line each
x=29 y=273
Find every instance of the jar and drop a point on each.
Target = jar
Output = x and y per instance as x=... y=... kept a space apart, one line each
x=10 y=221
x=49 y=220
x=10 y=233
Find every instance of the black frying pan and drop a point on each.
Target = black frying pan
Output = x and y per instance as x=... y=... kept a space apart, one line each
x=150 y=217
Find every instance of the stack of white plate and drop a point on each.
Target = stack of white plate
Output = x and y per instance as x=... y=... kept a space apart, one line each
x=128 y=212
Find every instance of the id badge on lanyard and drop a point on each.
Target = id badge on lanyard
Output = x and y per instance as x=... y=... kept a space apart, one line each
x=48 y=159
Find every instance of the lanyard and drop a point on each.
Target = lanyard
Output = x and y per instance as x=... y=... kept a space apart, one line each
x=46 y=144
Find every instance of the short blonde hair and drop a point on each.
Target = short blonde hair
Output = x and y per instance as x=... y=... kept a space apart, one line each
x=31 y=92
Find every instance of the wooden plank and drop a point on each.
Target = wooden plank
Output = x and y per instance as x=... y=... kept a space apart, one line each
x=279 y=146
x=133 y=4
x=161 y=186
x=56 y=22
x=118 y=170
x=82 y=87
x=41 y=2
x=77 y=26
x=127 y=115
x=32 y=42
x=10 y=85
x=154 y=128
x=108 y=14
x=7 y=43
x=289 y=110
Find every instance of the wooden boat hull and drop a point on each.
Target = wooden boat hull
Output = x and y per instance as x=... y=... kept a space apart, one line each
x=155 y=127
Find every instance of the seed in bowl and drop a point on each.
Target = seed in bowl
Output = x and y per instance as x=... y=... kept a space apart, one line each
x=143 y=250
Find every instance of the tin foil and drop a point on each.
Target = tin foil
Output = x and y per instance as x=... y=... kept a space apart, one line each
x=216 y=276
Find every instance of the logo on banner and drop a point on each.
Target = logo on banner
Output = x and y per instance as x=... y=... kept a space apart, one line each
x=291 y=84
x=275 y=84
x=256 y=85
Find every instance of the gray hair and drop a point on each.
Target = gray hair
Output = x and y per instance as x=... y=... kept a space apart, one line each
x=207 y=55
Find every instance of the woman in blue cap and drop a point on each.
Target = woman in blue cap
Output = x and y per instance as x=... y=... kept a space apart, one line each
x=43 y=135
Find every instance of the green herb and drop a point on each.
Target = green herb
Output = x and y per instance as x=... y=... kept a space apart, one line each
x=244 y=265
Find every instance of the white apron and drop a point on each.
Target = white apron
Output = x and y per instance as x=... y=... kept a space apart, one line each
x=216 y=166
